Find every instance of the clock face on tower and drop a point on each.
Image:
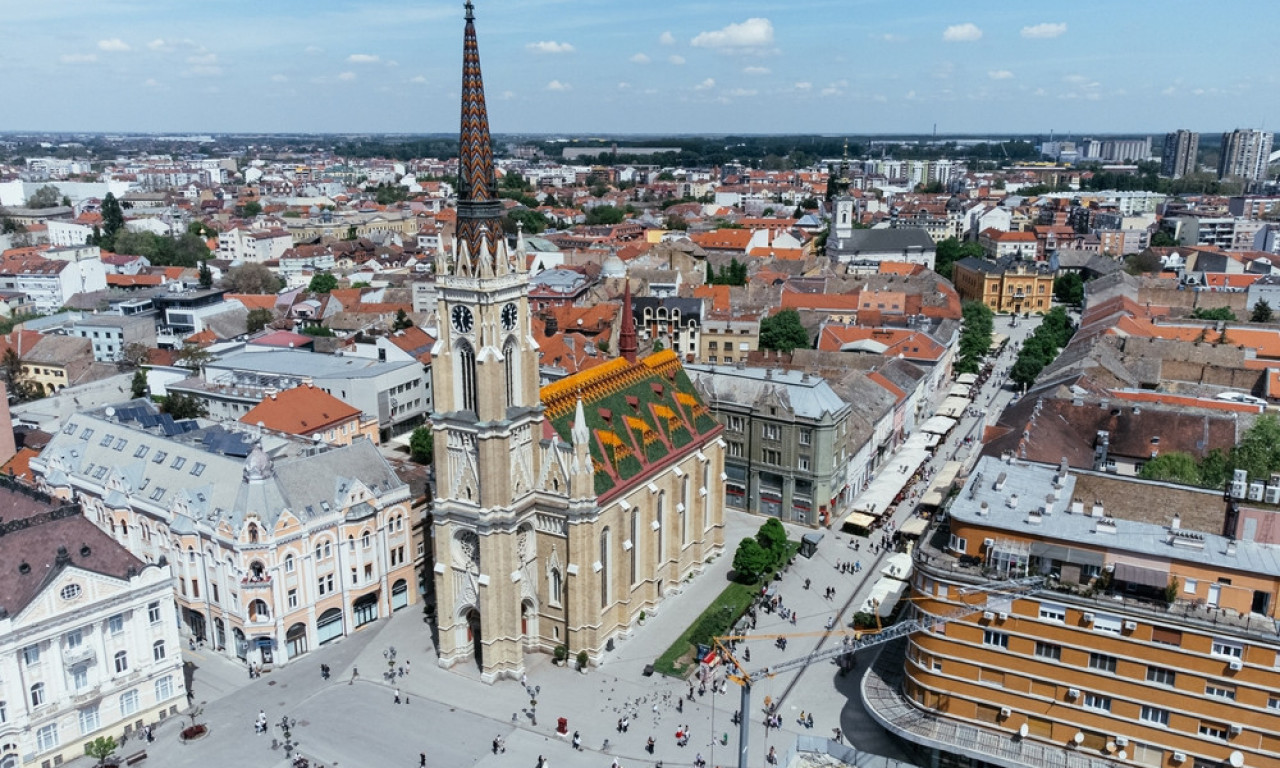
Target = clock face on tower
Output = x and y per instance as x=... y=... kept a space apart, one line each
x=509 y=316
x=462 y=319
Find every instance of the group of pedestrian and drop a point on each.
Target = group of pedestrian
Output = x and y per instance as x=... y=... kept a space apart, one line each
x=499 y=745
x=682 y=735
x=624 y=723
x=260 y=725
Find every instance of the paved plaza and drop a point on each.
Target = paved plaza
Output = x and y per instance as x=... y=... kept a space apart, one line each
x=353 y=721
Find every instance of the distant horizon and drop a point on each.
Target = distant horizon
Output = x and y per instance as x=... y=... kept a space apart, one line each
x=812 y=67
x=588 y=136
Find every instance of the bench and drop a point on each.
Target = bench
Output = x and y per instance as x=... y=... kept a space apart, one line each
x=135 y=758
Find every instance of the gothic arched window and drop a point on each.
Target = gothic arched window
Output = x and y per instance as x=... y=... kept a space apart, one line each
x=466 y=379
x=604 y=567
x=512 y=363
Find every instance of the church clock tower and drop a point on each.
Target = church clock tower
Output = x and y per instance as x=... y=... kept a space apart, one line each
x=488 y=419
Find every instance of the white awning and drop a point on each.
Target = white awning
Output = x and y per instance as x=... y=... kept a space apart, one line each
x=960 y=390
x=938 y=425
x=886 y=593
x=968 y=379
x=857 y=520
x=953 y=406
x=897 y=566
x=916 y=526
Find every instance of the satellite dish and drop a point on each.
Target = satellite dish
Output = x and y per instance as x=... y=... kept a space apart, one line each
x=1122 y=755
x=1236 y=759
x=1022 y=731
x=110 y=411
x=1079 y=737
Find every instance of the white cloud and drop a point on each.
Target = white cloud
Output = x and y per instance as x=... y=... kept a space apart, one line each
x=202 y=71
x=803 y=86
x=418 y=79
x=363 y=58
x=508 y=95
x=889 y=37
x=115 y=45
x=549 y=46
x=640 y=58
x=393 y=63
x=347 y=76
x=676 y=59
x=78 y=58
x=1169 y=91
x=624 y=86
x=756 y=70
x=910 y=95
x=556 y=85
x=743 y=92
x=1044 y=31
x=157 y=44
x=279 y=79
x=705 y=85
x=1000 y=74
x=666 y=38
x=152 y=83
x=1075 y=79
x=313 y=49
x=754 y=35
x=962 y=33
x=205 y=58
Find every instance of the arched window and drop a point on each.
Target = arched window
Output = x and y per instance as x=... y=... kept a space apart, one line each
x=635 y=541
x=191 y=555
x=512 y=364
x=604 y=567
x=662 y=524
x=157 y=650
x=366 y=540
x=557 y=586
x=122 y=661
x=318 y=551
x=466 y=378
x=289 y=564
x=351 y=543
x=327 y=551
x=684 y=511
x=253 y=533
x=37 y=694
x=258 y=611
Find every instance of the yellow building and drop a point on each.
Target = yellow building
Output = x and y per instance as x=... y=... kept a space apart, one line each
x=1005 y=286
x=1149 y=640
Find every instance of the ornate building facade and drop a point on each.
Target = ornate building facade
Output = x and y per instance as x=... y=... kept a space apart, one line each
x=561 y=514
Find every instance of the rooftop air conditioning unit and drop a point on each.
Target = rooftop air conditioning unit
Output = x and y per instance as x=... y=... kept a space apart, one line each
x=988 y=543
x=1005 y=712
x=988 y=615
x=1179 y=757
x=1086 y=617
x=1236 y=665
x=1002 y=616
x=1130 y=626
x=1122 y=741
x=1272 y=495
x=1256 y=490
x=1073 y=693
x=1235 y=729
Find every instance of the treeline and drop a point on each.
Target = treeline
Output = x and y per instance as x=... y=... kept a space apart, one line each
x=1042 y=347
x=975 y=336
x=1258 y=453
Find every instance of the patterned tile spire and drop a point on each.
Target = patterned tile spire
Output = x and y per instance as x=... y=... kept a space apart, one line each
x=479 y=210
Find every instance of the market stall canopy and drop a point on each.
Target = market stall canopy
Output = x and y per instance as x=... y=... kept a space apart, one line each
x=898 y=565
x=915 y=527
x=886 y=592
x=938 y=425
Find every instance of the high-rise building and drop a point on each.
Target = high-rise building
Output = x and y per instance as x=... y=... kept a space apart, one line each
x=1083 y=618
x=562 y=514
x=1180 y=148
x=1245 y=154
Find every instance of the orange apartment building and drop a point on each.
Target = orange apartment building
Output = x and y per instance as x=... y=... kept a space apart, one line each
x=1007 y=285
x=1151 y=641
x=312 y=413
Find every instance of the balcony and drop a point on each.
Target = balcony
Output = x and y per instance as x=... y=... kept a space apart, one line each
x=256 y=582
x=81 y=654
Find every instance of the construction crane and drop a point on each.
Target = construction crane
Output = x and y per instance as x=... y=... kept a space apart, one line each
x=857 y=640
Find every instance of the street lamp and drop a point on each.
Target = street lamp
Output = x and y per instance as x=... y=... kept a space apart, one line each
x=286 y=727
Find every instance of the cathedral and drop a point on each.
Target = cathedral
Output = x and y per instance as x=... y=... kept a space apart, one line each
x=561 y=514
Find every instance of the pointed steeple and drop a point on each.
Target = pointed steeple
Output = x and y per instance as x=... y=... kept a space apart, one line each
x=580 y=433
x=627 y=342
x=479 y=210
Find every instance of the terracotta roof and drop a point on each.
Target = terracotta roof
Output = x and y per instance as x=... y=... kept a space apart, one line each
x=899 y=268
x=719 y=295
x=20 y=465
x=831 y=302
x=301 y=410
x=254 y=300
x=911 y=345
x=126 y=281
x=414 y=341
x=723 y=239
x=879 y=378
x=287 y=339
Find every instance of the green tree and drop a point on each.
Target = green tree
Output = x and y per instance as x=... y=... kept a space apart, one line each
x=402 y=321
x=206 y=276
x=952 y=250
x=1144 y=263
x=1068 y=288
x=251 y=278
x=1162 y=239
x=316 y=330
x=1217 y=313
x=750 y=561
x=138 y=386
x=258 y=318
x=181 y=406
x=1025 y=370
x=1172 y=467
x=532 y=222
x=322 y=282
x=422 y=445
x=1261 y=312
x=112 y=220
x=605 y=214
x=44 y=197
x=783 y=332
x=975 y=336
x=249 y=209
x=101 y=748
x=193 y=356
x=1258 y=451
x=773 y=538
x=674 y=222
x=666 y=176
x=351 y=233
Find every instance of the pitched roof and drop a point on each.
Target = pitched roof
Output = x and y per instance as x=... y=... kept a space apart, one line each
x=414 y=341
x=641 y=417
x=301 y=410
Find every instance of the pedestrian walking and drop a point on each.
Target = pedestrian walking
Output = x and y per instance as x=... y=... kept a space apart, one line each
x=577 y=741
x=495 y=745
x=649 y=745
x=422 y=760
x=355 y=672
x=397 y=695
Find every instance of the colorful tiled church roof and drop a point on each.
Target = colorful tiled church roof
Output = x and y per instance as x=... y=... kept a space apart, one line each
x=642 y=416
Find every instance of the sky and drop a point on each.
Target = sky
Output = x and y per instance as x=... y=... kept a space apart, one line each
x=582 y=67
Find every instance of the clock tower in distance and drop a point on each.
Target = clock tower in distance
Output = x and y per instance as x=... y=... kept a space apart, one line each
x=488 y=418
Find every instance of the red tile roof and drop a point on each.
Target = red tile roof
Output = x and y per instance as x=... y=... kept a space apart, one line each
x=301 y=410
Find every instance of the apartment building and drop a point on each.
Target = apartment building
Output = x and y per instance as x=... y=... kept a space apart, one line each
x=1245 y=154
x=89 y=641
x=111 y=334
x=1180 y=149
x=278 y=545
x=1149 y=639
x=786 y=435
x=253 y=246
x=728 y=339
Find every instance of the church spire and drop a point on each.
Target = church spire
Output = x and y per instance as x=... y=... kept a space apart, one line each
x=627 y=343
x=479 y=210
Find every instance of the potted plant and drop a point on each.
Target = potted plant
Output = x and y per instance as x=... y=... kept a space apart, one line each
x=642 y=617
x=101 y=748
x=195 y=730
x=560 y=654
x=583 y=659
